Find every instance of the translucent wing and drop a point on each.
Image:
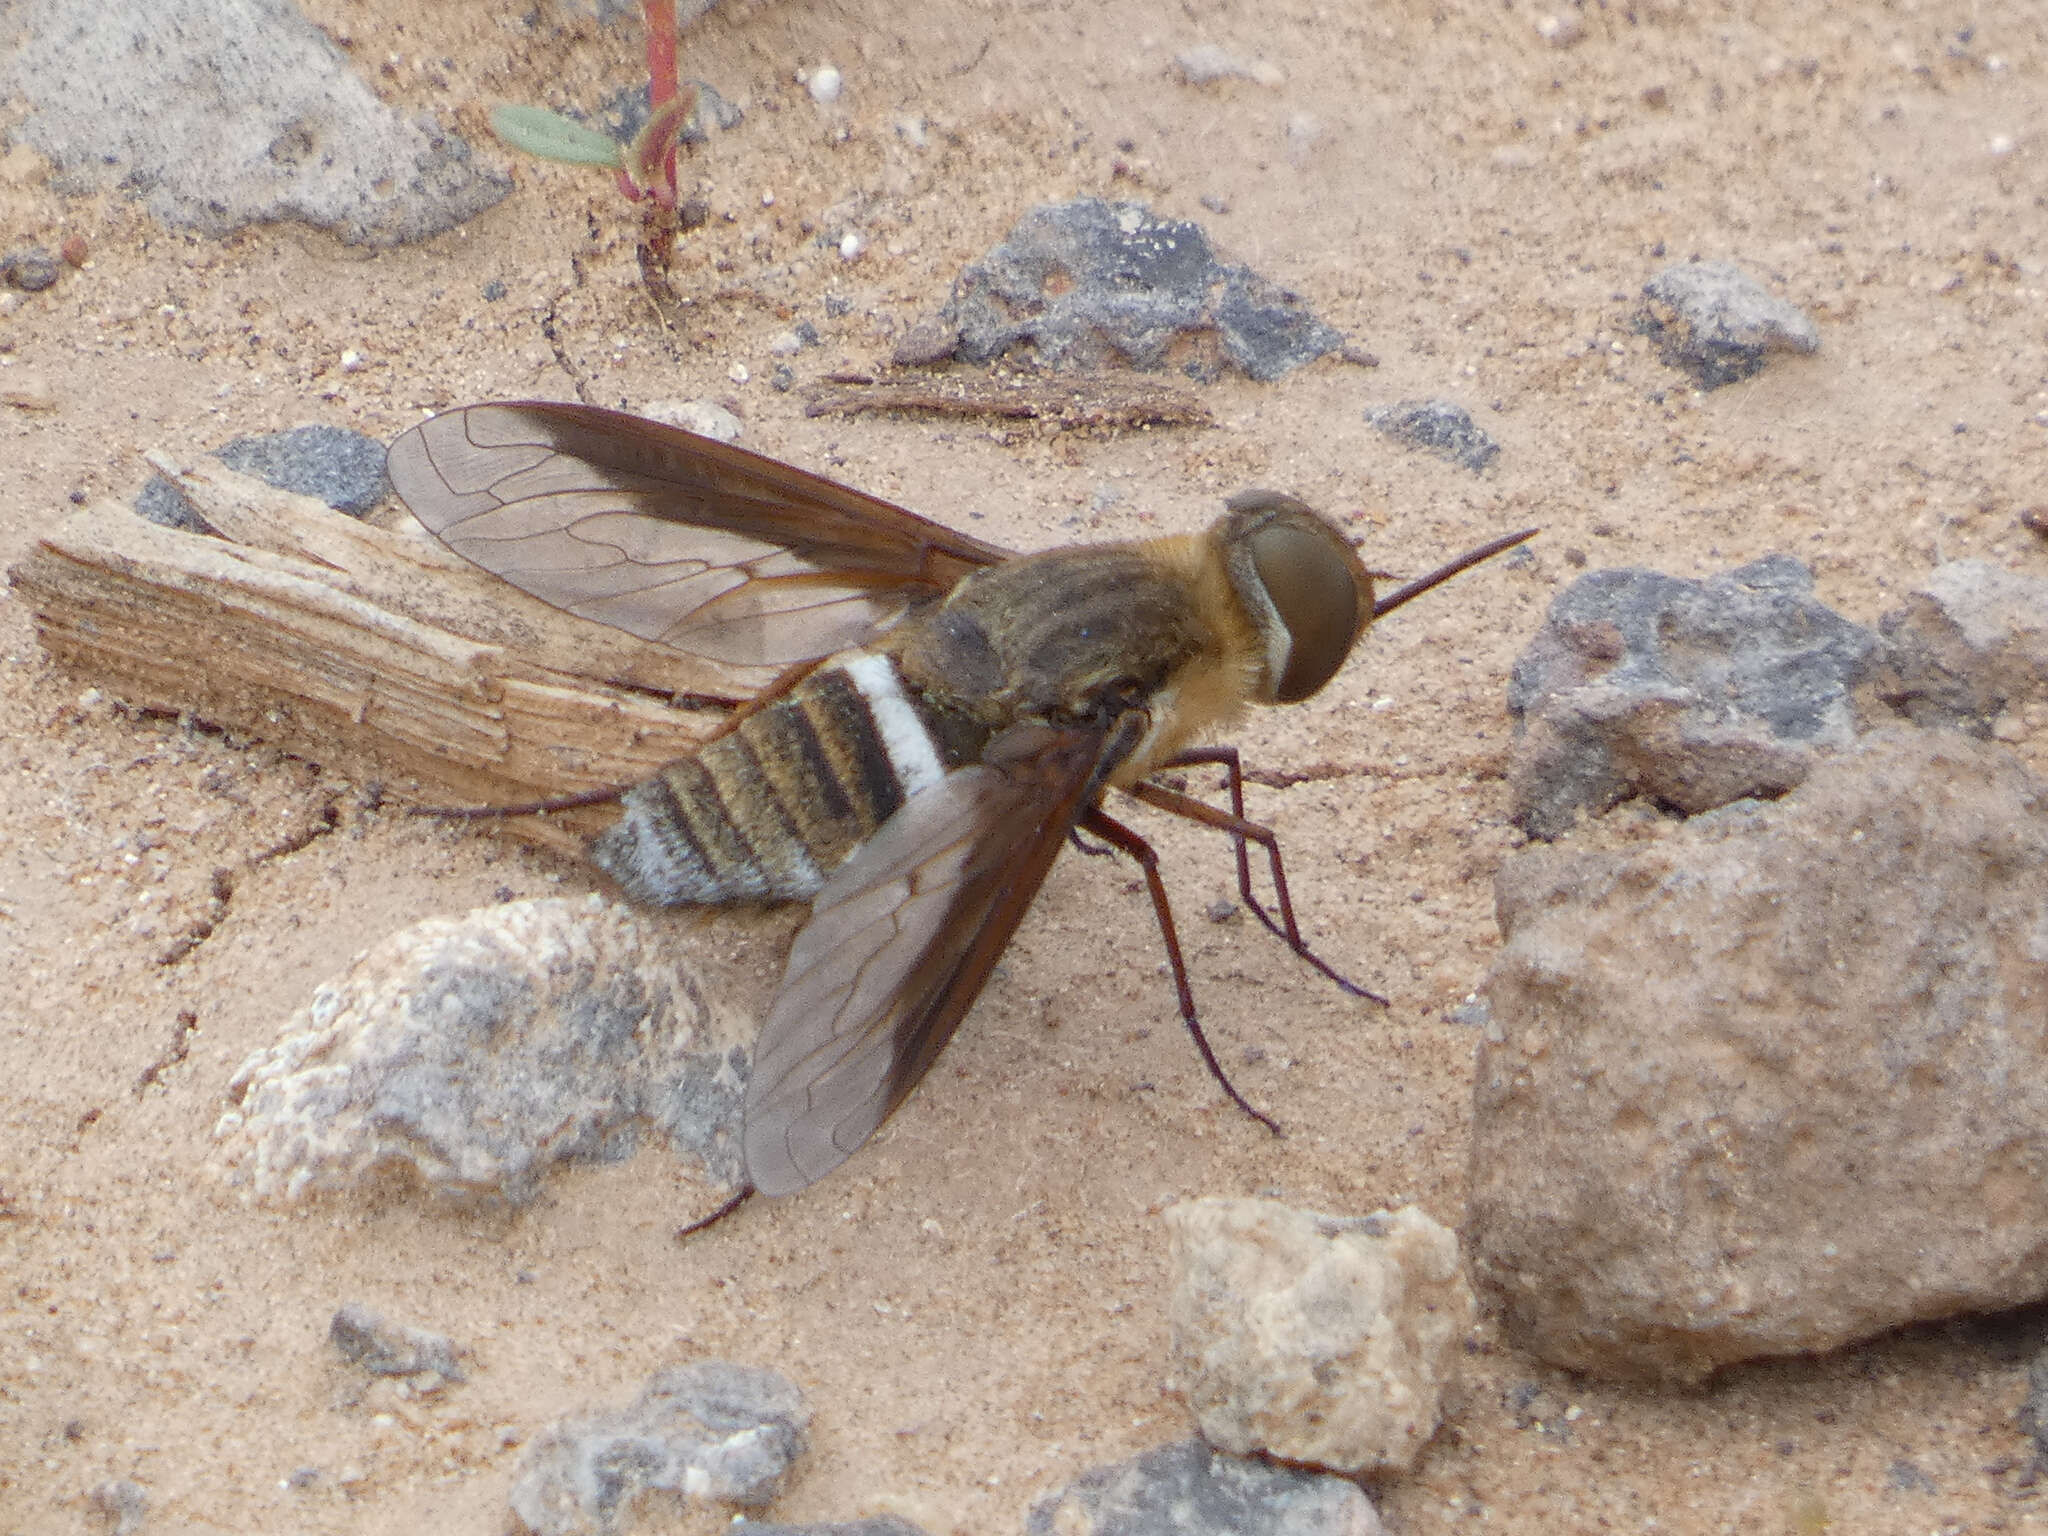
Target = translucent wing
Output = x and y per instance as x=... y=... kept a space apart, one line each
x=672 y=537
x=901 y=939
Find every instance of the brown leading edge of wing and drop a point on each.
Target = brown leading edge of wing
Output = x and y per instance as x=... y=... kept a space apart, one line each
x=645 y=527
x=900 y=941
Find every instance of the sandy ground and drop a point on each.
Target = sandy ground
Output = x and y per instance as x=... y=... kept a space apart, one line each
x=976 y=1305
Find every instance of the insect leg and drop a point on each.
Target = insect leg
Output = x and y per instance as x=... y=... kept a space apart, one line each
x=1119 y=836
x=1243 y=832
x=725 y=1210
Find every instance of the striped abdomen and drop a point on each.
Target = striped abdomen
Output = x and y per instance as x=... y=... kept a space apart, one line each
x=765 y=812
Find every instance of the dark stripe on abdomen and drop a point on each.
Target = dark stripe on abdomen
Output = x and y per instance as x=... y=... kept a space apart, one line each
x=765 y=812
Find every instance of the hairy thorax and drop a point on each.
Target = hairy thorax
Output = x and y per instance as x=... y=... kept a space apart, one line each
x=1079 y=636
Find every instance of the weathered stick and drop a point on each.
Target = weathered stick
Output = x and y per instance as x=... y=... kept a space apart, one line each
x=369 y=650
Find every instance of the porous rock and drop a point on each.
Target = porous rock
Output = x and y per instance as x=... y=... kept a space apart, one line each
x=1187 y=1489
x=713 y=1431
x=344 y=469
x=1089 y=282
x=1716 y=322
x=1318 y=1339
x=1970 y=643
x=1694 y=693
x=479 y=1051
x=1777 y=1079
x=223 y=113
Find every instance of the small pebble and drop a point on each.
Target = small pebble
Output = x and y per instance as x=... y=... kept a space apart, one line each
x=2002 y=144
x=929 y=341
x=351 y=361
x=706 y=418
x=74 y=250
x=786 y=344
x=121 y=1505
x=2036 y=520
x=850 y=246
x=738 y=373
x=1561 y=31
x=31 y=270
x=27 y=392
x=825 y=85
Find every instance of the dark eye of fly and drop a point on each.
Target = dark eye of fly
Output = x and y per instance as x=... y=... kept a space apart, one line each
x=1312 y=589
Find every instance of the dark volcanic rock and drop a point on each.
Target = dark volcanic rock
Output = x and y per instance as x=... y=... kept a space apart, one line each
x=1088 y=283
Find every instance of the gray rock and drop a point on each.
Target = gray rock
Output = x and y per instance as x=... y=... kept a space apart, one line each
x=30 y=270
x=874 y=1525
x=1968 y=645
x=385 y=1348
x=713 y=1431
x=625 y=112
x=120 y=1506
x=1695 y=693
x=2033 y=1414
x=1442 y=427
x=1189 y=1490
x=221 y=113
x=163 y=502
x=1316 y=1339
x=480 y=1051
x=1718 y=323
x=1776 y=1079
x=1089 y=282
x=344 y=469
x=1206 y=63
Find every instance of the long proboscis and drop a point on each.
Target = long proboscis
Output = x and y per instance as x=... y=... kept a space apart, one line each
x=1443 y=573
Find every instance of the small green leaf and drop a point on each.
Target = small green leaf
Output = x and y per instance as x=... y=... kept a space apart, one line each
x=554 y=137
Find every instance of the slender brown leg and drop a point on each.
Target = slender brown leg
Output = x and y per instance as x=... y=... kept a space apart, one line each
x=1242 y=833
x=725 y=1210
x=1119 y=836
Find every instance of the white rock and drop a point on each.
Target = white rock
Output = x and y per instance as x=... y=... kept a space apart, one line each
x=825 y=85
x=706 y=418
x=479 y=1051
x=1317 y=1339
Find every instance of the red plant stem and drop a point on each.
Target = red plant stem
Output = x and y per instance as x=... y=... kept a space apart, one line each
x=661 y=51
x=661 y=76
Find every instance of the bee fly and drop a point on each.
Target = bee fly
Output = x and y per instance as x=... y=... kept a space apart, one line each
x=945 y=715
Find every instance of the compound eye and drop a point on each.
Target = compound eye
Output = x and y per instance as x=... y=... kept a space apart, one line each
x=1314 y=584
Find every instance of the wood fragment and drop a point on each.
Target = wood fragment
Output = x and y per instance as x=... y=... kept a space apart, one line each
x=1082 y=401
x=371 y=651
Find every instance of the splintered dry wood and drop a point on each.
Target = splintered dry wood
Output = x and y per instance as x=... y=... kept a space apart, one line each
x=1084 y=402
x=369 y=650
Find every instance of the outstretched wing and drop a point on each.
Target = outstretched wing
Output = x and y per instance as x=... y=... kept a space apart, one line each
x=696 y=544
x=901 y=939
